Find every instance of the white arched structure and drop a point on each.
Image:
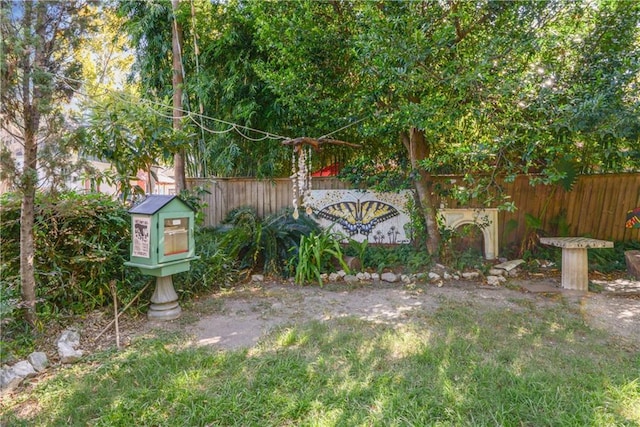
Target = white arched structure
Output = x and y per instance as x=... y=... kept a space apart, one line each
x=486 y=219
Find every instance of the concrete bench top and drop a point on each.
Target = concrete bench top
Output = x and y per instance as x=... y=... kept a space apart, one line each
x=575 y=242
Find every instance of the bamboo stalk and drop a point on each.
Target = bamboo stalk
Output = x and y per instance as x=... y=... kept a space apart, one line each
x=123 y=310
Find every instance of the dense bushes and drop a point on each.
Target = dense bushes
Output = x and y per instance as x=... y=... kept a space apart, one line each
x=82 y=242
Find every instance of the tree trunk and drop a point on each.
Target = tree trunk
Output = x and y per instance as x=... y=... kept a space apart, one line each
x=178 y=158
x=419 y=149
x=29 y=181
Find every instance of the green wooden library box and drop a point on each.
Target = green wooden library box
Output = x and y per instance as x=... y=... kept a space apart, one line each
x=162 y=241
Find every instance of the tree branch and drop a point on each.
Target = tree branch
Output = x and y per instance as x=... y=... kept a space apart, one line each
x=316 y=144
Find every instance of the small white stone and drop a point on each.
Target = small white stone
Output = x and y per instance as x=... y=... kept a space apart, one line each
x=493 y=280
x=389 y=277
x=333 y=277
x=257 y=278
x=496 y=272
x=471 y=275
x=342 y=273
x=375 y=276
x=434 y=276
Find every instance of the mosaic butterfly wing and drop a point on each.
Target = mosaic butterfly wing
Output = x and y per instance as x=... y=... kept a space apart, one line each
x=633 y=218
x=358 y=217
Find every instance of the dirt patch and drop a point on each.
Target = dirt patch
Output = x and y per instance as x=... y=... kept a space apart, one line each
x=240 y=317
x=243 y=317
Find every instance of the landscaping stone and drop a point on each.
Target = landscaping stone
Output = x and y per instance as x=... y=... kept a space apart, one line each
x=333 y=277
x=360 y=276
x=350 y=278
x=495 y=280
x=434 y=276
x=257 y=278
x=496 y=272
x=24 y=369
x=509 y=265
x=9 y=380
x=67 y=344
x=405 y=278
x=632 y=258
x=341 y=273
x=447 y=276
x=389 y=277
x=38 y=360
x=375 y=276
x=470 y=275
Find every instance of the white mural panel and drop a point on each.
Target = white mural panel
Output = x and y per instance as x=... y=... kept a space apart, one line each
x=363 y=215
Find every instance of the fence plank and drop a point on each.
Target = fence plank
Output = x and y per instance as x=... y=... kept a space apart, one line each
x=597 y=204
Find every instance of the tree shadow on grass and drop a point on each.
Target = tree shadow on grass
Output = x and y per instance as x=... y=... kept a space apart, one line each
x=453 y=366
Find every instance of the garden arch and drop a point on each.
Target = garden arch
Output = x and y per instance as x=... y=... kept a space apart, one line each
x=486 y=219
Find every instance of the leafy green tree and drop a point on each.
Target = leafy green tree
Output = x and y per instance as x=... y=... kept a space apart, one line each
x=478 y=88
x=132 y=135
x=39 y=75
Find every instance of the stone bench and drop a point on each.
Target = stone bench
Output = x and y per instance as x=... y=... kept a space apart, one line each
x=575 y=264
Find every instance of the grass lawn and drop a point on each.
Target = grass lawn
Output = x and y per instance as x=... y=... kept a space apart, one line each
x=455 y=366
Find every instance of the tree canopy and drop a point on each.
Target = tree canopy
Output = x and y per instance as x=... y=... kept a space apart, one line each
x=481 y=88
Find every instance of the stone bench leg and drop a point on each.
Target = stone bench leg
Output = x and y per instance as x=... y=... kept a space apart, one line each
x=575 y=269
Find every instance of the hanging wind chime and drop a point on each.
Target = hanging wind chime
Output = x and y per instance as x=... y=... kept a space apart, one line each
x=301 y=169
x=301 y=179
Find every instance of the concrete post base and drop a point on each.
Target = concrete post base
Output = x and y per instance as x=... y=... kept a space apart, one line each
x=164 y=302
x=575 y=269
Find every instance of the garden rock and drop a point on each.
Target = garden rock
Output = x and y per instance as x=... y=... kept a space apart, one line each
x=471 y=275
x=495 y=280
x=38 y=360
x=375 y=276
x=405 y=278
x=67 y=343
x=509 y=265
x=496 y=272
x=9 y=380
x=257 y=278
x=389 y=277
x=434 y=276
x=350 y=278
x=24 y=369
x=333 y=277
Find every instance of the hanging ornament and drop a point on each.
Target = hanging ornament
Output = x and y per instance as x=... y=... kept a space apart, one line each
x=294 y=184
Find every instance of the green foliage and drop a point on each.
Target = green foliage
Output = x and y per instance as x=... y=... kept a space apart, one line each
x=81 y=245
x=194 y=198
x=407 y=258
x=268 y=243
x=608 y=260
x=317 y=254
x=457 y=250
x=213 y=270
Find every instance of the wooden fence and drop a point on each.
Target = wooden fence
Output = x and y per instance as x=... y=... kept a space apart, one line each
x=596 y=206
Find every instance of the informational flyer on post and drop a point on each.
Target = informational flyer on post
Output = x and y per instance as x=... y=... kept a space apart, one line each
x=141 y=229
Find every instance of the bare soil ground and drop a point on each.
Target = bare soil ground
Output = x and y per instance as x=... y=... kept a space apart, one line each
x=241 y=316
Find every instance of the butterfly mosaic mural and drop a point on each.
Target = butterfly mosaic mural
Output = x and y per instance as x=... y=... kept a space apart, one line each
x=363 y=215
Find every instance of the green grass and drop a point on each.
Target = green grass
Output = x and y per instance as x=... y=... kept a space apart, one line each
x=461 y=365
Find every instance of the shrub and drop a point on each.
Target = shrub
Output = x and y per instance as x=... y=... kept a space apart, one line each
x=266 y=243
x=214 y=269
x=82 y=242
